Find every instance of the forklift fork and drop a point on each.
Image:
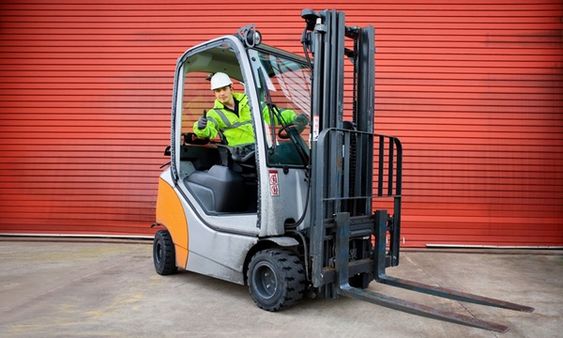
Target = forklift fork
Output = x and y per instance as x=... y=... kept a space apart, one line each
x=380 y=262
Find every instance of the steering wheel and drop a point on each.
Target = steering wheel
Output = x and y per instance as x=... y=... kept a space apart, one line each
x=243 y=153
x=240 y=154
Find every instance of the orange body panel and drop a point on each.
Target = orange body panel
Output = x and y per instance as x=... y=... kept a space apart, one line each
x=170 y=213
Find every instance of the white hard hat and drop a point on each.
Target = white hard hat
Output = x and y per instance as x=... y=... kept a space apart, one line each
x=220 y=80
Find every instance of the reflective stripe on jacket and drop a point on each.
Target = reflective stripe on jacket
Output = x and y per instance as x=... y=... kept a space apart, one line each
x=237 y=129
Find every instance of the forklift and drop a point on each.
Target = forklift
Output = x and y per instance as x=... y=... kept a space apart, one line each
x=314 y=211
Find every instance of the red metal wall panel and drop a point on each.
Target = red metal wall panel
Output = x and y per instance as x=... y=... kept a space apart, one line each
x=473 y=89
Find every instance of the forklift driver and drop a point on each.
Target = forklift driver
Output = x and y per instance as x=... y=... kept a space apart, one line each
x=231 y=116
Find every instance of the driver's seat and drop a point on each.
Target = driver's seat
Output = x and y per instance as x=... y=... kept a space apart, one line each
x=221 y=190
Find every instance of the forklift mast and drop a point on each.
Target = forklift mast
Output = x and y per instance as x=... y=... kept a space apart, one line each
x=342 y=151
x=350 y=245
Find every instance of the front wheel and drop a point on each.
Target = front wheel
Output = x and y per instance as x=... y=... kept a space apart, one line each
x=276 y=279
x=163 y=253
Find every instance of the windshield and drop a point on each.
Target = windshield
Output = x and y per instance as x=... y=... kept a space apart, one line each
x=284 y=89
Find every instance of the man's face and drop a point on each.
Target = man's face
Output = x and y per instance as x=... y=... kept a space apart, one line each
x=223 y=94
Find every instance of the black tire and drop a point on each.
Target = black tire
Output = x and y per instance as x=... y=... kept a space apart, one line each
x=163 y=253
x=276 y=279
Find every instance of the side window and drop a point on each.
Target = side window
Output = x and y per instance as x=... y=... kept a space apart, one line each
x=197 y=95
x=287 y=84
x=197 y=98
x=292 y=95
x=208 y=171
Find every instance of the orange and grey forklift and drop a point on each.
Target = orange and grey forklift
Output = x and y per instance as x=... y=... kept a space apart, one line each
x=297 y=210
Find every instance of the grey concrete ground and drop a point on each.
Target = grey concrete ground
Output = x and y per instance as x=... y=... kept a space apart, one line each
x=96 y=289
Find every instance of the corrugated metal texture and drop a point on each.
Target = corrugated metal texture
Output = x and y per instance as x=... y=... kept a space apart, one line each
x=475 y=93
x=473 y=88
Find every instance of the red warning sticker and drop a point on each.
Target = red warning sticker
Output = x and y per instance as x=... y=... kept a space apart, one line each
x=274 y=184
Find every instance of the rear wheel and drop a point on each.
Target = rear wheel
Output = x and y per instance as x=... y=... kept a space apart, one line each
x=276 y=279
x=163 y=253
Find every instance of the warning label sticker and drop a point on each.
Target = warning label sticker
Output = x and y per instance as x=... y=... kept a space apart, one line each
x=274 y=184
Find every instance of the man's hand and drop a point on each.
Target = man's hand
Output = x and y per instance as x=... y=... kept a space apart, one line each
x=301 y=121
x=202 y=122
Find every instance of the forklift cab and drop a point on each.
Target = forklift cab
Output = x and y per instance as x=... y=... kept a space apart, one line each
x=239 y=189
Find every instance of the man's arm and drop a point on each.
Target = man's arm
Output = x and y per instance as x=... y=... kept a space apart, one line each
x=209 y=129
x=288 y=116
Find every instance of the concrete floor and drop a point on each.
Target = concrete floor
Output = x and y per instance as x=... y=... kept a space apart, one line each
x=97 y=289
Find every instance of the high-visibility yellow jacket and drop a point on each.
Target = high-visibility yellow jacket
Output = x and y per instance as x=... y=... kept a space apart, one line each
x=237 y=129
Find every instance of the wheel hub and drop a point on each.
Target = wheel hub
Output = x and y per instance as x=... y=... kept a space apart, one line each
x=159 y=252
x=265 y=280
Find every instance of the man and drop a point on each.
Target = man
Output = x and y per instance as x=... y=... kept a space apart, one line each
x=231 y=115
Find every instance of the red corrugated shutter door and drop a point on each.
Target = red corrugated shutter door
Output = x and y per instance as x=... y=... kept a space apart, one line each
x=472 y=88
